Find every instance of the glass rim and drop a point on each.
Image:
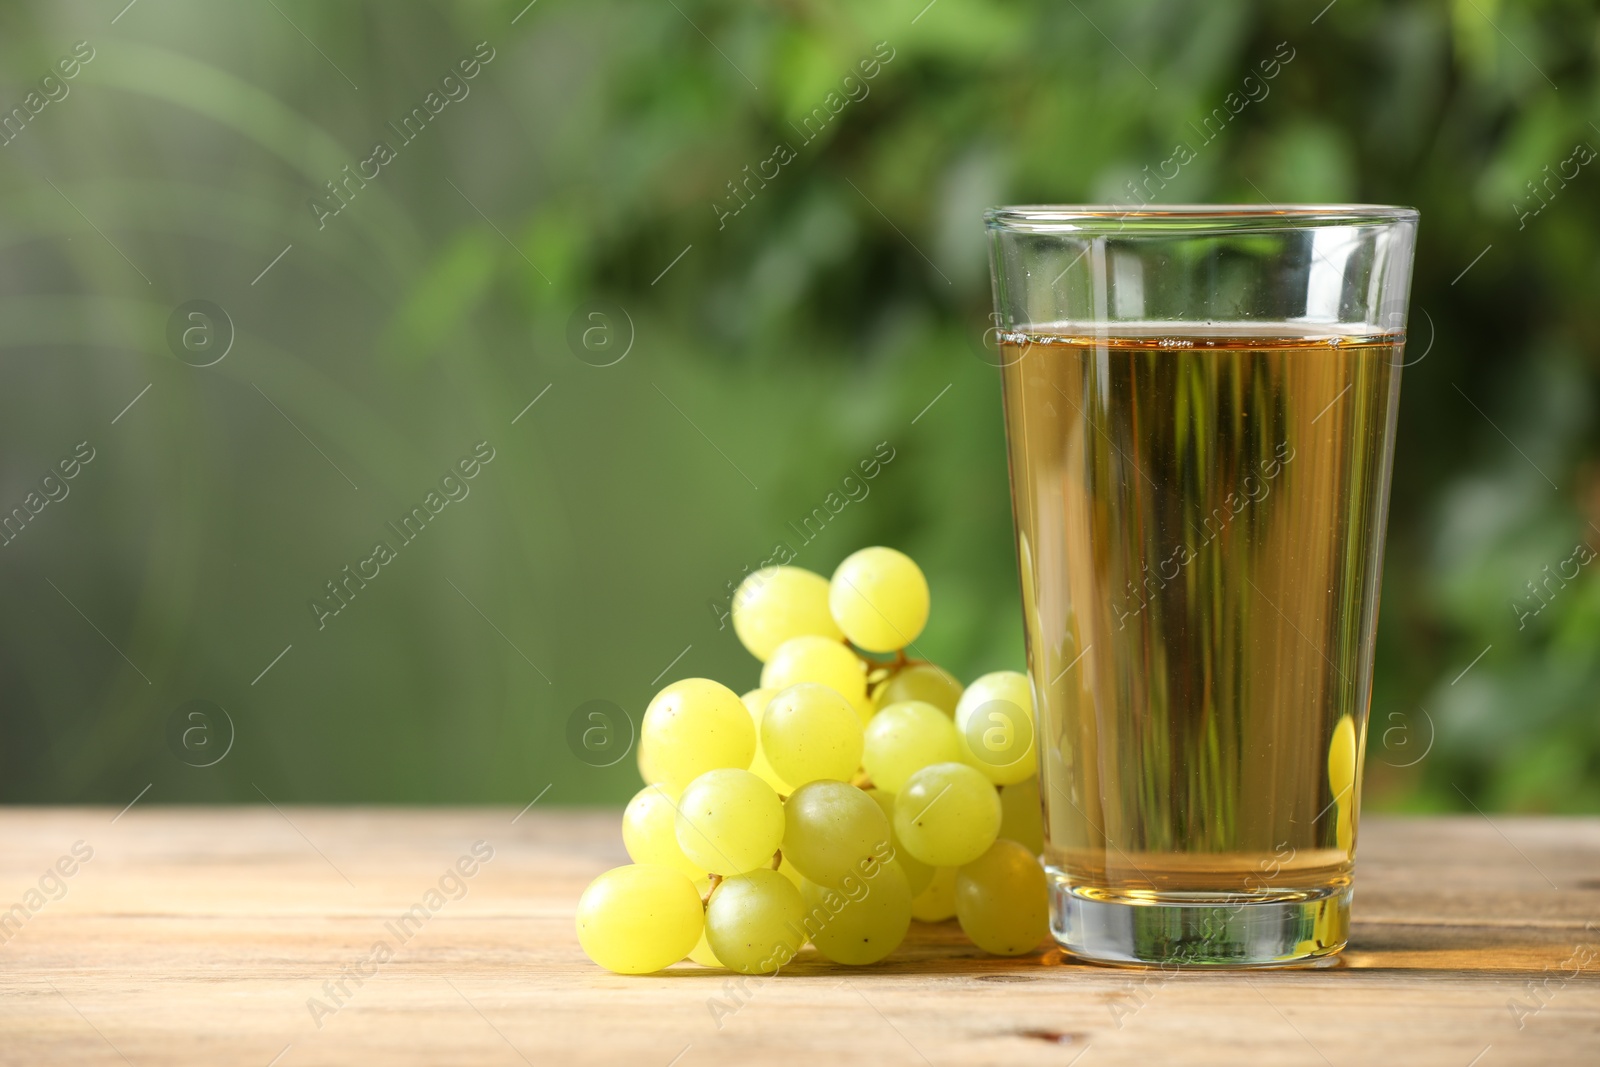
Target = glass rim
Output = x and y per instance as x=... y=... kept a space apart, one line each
x=1189 y=218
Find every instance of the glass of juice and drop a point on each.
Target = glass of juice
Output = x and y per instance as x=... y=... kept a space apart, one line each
x=1200 y=406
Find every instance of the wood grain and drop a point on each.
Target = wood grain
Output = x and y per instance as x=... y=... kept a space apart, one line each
x=199 y=935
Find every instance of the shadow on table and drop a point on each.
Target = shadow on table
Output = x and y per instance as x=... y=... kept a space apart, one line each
x=1391 y=949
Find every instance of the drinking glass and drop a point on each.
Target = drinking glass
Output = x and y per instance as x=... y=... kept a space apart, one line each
x=1200 y=405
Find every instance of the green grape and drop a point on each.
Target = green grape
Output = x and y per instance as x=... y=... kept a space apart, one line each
x=729 y=821
x=1020 y=818
x=1342 y=763
x=994 y=724
x=918 y=874
x=833 y=831
x=787 y=869
x=937 y=903
x=755 y=703
x=810 y=732
x=862 y=921
x=904 y=738
x=776 y=603
x=1342 y=759
x=640 y=918
x=948 y=814
x=702 y=954
x=692 y=727
x=649 y=830
x=817 y=659
x=647 y=772
x=755 y=922
x=879 y=598
x=864 y=708
x=927 y=682
x=1002 y=900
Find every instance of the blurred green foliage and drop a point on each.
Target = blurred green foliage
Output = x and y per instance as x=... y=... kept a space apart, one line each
x=771 y=351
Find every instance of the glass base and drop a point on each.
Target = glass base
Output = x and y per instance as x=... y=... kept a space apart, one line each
x=1177 y=930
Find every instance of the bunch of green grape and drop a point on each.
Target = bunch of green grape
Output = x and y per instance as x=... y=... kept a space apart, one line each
x=842 y=799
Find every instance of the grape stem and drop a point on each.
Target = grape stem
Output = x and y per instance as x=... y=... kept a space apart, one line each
x=880 y=672
x=900 y=660
x=777 y=859
x=716 y=880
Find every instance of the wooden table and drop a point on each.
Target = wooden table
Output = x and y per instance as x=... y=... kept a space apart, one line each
x=211 y=936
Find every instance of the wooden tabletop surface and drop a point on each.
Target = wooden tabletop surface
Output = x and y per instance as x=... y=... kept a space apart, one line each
x=222 y=936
